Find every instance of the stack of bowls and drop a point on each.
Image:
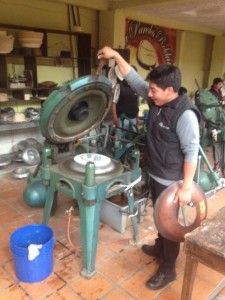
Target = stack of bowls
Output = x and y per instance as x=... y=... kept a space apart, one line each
x=30 y=39
x=32 y=113
x=6 y=42
x=9 y=111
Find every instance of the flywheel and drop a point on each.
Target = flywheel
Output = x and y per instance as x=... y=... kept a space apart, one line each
x=75 y=109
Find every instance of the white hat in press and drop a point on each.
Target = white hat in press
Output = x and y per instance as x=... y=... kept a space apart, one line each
x=118 y=73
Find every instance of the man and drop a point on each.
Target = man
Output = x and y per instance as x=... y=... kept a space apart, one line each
x=172 y=145
x=215 y=89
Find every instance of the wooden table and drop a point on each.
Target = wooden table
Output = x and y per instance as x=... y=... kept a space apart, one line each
x=206 y=245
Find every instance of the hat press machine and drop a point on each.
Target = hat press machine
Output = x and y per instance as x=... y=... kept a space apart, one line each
x=67 y=115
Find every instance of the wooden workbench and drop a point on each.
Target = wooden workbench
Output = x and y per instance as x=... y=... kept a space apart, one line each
x=206 y=245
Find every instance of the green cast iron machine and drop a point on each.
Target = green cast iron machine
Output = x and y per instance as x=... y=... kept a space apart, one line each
x=212 y=135
x=68 y=114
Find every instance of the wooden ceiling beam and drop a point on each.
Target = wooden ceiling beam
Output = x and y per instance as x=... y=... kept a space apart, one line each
x=93 y=4
x=149 y=3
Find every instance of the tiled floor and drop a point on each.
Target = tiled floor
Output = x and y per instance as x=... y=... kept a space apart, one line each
x=122 y=268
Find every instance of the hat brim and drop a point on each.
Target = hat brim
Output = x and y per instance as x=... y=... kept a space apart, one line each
x=112 y=76
x=118 y=74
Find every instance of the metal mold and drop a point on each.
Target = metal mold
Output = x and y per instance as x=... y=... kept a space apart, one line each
x=103 y=164
x=5 y=161
x=18 y=157
x=20 y=173
x=31 y=156
x=70 y=168
x=166 y=212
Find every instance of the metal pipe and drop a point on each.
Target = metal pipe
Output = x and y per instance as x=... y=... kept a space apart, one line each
x=133 y=216
x=215 y=177
x=71 y=40
x=198 y=169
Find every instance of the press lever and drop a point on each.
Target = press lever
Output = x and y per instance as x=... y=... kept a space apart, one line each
x=100 y=66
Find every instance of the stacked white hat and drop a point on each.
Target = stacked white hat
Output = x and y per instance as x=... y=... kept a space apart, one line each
x=30 y=39
x=6 y=42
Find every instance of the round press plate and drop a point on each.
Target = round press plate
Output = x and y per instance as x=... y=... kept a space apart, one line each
x=103 y=164
x=74 y=110
x=73 y=169
x=99 y=160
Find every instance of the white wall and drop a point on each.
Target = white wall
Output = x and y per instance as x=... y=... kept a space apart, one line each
x=218 y=59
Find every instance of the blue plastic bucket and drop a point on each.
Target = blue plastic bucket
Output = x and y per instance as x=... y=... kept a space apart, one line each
x=41 y=266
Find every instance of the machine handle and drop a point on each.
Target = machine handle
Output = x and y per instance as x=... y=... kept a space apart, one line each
x=100 y=66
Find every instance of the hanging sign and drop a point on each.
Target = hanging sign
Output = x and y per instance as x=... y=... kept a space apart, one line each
x=153 y=44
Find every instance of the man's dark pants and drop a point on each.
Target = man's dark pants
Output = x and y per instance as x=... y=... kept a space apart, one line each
x=168 y=249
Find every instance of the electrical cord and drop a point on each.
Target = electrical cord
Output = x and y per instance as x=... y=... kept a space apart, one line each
x=78 y=249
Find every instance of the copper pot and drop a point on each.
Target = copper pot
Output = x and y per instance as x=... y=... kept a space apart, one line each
x=166 y=212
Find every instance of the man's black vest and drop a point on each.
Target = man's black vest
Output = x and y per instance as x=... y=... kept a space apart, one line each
x=164 y=156
x=128 y=101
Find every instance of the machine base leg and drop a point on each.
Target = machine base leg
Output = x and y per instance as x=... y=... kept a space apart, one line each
x=89 y=225
x=135 y=242
x=51 y=195
x=133 y=217
x=87 y=274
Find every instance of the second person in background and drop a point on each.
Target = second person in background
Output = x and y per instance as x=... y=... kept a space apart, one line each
x=125 y=105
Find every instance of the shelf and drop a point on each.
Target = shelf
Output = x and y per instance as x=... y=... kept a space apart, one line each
x=57 y=31
x=19 y=95
x=55 y=61
x=17 y=126
x=34 y=62
x=32 y=99
x=33 y=93
x=31 y=59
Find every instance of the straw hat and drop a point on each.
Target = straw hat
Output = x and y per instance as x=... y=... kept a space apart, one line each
x=112 y=76
x=6 y=43
x=3 y=97
x=30 y=39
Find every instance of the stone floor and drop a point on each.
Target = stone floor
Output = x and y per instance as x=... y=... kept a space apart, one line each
x=121 y=268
